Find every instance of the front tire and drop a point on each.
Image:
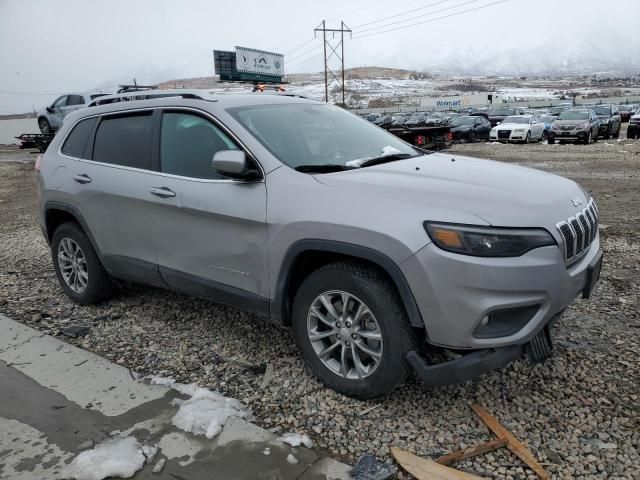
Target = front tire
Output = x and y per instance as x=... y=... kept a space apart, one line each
x=528 y=137
x=45 y=126
x=77 y=266
x=352 y=330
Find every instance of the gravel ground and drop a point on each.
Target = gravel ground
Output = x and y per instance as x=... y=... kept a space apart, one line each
x=579 y=411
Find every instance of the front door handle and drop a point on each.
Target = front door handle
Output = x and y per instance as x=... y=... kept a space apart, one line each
x=83 y=178
x=162 y=192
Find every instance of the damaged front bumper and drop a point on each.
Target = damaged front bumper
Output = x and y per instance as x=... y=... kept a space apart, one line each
x=471 y=365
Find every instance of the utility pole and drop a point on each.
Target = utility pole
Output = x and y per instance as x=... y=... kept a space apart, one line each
x=335 y=49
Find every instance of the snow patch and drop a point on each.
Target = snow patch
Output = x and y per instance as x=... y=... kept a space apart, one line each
x=206 y=412
x=389 y=150
x=291 y=459
x=296 y=439
x=116 y=457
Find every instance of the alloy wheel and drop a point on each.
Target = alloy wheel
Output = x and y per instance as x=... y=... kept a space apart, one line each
x=44 y=126
x=73 y=265
x=344 y=334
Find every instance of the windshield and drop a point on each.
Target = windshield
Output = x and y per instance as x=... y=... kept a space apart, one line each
x=624 y=108
x=574 y=115
x=311 y=134
x=547 y=118
x=603 y=110
x=516 y=120
x=501 y=112
x=456 y=122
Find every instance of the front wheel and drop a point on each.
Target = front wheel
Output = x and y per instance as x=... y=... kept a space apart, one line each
x=78 y=268
x=528 y=137
x=587 y=140
x=551 y=140
x=44 y=125
x=352 y=330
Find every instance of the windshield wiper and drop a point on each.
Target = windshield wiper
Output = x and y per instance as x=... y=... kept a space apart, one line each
x=324 y=168
x=386 y=158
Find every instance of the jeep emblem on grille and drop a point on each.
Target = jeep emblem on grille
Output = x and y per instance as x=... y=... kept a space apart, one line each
x=576 y=202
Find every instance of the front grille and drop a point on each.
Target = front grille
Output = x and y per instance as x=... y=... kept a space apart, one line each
x=578 y=232
x=504 y=133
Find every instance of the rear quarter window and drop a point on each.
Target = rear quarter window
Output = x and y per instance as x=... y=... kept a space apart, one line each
x=77 y=140
x=125 y=140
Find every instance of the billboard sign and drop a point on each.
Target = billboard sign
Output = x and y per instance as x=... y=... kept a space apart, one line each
x=250 y=60
x=455 y=102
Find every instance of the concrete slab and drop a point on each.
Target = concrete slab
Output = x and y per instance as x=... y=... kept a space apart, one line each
x=55 y=397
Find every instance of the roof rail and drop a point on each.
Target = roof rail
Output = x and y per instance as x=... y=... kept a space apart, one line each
x=145 y=95
x=135 y=88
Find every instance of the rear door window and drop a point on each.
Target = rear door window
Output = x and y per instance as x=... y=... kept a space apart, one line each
x=77 y=140
x=188 y=143
x=125 y=140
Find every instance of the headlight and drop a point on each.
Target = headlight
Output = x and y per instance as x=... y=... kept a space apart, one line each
x=519 y=130
x=487 y=241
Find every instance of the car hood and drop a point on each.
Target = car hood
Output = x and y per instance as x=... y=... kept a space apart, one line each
x=512 y=126
x=569 y=123
x=450 y=188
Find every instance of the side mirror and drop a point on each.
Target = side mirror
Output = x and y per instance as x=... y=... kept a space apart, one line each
x=233 y=164
x=49 y=109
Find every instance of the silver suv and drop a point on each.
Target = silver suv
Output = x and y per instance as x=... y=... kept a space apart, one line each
x=50 y=118
x=375 y=252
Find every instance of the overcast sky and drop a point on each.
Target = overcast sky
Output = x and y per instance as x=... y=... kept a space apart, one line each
x=53 y=47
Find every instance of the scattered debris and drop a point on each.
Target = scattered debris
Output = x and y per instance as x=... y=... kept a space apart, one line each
x=149 y=452
x=266 y=451
x=367 y=410
x=157 y=468
x=291 y=459
x=425 y=469
x=268 y=376
x=368 y=467
x=75 y=331
x=513 y=443
x=296 y=439
x=472 y=451
x=116 y=457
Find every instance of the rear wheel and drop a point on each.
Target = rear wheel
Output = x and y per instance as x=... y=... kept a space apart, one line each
x=44 y=125
x=352 y=330
x=78 y=268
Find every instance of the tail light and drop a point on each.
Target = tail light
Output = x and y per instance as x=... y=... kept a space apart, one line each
x=38 y=162
x=449 y=136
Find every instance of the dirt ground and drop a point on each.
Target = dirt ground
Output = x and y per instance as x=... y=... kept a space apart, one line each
x=579 y=411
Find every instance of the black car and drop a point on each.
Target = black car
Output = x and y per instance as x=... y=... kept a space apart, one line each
x=384 y=121
x=470 y=128
x=416 y=120
x=610 y=121
x=497 y=115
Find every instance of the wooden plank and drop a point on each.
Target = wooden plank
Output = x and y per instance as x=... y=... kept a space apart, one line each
x=425 y=469
x=513 y=443
x=480 y=449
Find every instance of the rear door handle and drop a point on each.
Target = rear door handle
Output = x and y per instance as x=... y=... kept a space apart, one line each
x=162 y=192
x=82 y=178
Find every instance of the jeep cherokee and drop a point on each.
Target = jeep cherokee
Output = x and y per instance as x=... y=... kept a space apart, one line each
x=373 y=251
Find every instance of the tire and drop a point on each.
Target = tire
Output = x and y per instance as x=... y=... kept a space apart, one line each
x=387 y=318
x=45 y=126
x=91 y=283
x=617 y=134
x=587 y=140
x=607 y=135
x=528 y=137
x=594 y=138
x=472 y=137
x=551 y=140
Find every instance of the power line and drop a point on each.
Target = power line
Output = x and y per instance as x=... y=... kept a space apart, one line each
x=430 y=20
x=401 y=14
x=315 y=47
x=419 y=16
x=299 y=46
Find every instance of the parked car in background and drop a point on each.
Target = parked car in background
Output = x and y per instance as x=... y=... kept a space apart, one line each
x=192 y=191
x=497 y=115
x=575 y=125
x=50 y=118
x=610 y=122
x=518 y=128
x=558 y=109
x=398 y=120
x=633 y=130
x=469 y=128
x=417 y=119
x=625 y=112
x=384 y=121
x=547 y=120
x=435 y=118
